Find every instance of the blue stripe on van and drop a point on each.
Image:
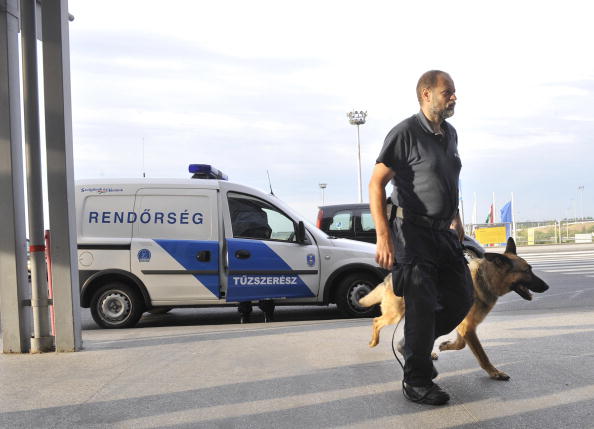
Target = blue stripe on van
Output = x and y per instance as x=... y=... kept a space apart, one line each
x=186 y=251
x=253 y=286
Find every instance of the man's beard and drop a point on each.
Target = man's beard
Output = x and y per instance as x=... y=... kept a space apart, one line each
x=447 y=113
x=444 y=114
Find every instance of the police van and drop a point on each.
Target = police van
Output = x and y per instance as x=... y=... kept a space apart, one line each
x=154 y=244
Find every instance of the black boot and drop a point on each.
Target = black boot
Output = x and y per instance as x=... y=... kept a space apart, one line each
x=429 y=395
x=245 y=310
x=267 y=306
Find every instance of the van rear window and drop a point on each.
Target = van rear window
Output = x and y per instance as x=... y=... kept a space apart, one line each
x=342 y=221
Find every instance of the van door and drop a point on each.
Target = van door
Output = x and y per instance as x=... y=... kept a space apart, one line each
x=175 y=244
x=264 y=259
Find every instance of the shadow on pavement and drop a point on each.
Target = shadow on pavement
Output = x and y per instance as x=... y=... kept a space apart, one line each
x=242 y=331
x=547 y=390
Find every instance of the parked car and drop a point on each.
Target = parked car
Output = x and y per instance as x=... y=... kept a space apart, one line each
x=354 y=221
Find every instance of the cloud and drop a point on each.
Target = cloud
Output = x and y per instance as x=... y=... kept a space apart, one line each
x=263 y=85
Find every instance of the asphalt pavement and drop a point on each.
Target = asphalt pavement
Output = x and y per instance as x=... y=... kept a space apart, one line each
x=200 y=368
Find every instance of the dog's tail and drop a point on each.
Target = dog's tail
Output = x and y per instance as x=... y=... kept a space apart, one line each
x=375 y=296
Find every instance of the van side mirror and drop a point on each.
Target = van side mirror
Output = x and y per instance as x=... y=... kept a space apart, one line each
x=300 y=233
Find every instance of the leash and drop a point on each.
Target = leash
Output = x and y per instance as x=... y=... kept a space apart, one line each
x=417 y=400
x=394 y=349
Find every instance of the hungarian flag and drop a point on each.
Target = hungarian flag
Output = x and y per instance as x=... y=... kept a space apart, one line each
x=490 y=217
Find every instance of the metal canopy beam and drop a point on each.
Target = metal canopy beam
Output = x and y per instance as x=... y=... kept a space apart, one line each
x=14 y=287
x=60 y=172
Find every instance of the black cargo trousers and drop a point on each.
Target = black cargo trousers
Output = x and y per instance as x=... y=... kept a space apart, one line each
x=432 y=275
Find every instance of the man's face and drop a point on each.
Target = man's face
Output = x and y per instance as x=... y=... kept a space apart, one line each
x=443 y=97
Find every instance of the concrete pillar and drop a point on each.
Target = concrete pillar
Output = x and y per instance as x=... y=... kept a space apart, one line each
x=14 y=286
x=60 y=171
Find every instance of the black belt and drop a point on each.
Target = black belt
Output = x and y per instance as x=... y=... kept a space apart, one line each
x=423 y=221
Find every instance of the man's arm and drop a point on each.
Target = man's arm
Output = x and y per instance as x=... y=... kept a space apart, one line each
x=384 y=253
x=458 y=226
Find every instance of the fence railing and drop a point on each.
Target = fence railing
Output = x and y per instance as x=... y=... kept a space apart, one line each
x=533 y=233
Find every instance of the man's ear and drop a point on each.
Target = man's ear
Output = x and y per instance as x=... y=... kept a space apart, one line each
x=498 y=259
x=426 y=94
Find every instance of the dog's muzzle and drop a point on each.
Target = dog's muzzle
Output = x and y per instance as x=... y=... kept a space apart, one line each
x=522 y=291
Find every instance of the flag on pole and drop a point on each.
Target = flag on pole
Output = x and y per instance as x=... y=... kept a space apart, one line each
x=506 y=212
x=506 y=217
x=490 y=217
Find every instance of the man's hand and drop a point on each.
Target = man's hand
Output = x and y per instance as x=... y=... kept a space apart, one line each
x=384 y=253
x=458 y=227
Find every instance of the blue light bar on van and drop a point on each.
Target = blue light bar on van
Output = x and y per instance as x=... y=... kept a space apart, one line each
x=205 y=171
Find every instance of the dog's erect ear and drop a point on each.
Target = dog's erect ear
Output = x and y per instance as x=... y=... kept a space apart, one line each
x=511 y=246
x=498 y=259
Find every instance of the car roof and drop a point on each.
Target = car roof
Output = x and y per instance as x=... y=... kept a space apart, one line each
x=345 y=206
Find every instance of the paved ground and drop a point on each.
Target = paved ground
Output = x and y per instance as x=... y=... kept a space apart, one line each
x=311 y=369
x=302 y=374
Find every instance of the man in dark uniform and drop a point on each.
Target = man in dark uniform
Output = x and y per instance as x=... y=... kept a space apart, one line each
x=420 y=156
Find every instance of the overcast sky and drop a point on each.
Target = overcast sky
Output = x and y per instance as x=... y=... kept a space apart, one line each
x=250 y=86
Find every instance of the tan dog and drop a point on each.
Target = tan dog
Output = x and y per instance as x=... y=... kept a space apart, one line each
x=492 y=277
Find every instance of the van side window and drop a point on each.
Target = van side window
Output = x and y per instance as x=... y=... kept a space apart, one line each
x=342 y=221
x=259 y=220
x=367 y=224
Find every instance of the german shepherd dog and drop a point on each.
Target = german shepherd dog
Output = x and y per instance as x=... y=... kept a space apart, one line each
x=492 y=276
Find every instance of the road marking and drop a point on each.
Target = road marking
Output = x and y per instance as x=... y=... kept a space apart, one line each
x=577 y=252
x=585 y=274
x=537 y=266
x=583 y=268
x=571 y=262
x=576 y=294
x=538 y=297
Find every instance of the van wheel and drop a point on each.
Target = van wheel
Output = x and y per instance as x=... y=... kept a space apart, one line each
x=351 y=289
x=116 y=305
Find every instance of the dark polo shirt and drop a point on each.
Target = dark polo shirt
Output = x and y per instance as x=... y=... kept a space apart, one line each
x=426 y=167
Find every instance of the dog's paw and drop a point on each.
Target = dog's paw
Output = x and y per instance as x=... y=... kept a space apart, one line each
x=373 y=343
x=434 y=356
x=499 y=375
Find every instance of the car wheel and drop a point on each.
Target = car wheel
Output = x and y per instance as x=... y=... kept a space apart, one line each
x=351 y=289
x=116 y=305
x=159 y=310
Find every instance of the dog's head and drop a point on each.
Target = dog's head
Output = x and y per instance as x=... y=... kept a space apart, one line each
x=513 y=273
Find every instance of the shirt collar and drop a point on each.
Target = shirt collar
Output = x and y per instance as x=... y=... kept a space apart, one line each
x=427 y=126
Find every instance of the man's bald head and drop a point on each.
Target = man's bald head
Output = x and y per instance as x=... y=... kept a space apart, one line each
x=428 y=81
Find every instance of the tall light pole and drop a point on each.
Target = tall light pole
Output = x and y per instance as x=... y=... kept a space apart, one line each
x=322 y=187
x=358 y=118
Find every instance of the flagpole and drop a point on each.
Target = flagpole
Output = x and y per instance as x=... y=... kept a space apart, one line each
x=493 y=207
x=513 y=217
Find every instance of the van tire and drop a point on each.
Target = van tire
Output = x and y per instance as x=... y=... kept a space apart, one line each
x=116 y=305
x=350 y=290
